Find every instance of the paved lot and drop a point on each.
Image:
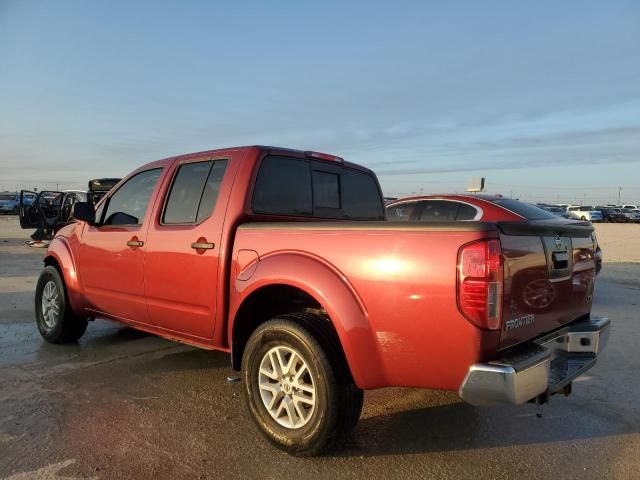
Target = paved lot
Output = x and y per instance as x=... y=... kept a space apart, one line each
x=122 y=404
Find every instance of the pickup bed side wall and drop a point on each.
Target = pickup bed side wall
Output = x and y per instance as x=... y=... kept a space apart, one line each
x=390 y=292
x=332 y=291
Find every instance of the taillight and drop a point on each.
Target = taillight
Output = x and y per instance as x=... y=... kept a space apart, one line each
x=480 y=283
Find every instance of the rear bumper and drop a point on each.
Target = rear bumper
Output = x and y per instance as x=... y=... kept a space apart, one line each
x=546 y=366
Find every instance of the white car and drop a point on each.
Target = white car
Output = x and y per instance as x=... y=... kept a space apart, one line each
x=631 y=207
x=632 y=214
x=583 y=212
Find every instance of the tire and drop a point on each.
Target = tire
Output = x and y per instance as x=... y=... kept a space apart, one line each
x=57 y=323
x=331 y=407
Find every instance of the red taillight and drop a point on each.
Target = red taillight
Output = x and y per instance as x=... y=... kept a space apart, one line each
x=480 y=283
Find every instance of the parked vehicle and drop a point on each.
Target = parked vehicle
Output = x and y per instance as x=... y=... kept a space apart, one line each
x=99 y=187
x=557 y=211
x=477 y=207
x=48 y=211
x=612 y=214
x=587 y=213
x=8 y=202
x=283 y=259
x=631 y=214
x=631 y=207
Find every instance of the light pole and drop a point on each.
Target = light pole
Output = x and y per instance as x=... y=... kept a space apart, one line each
x=619 y=192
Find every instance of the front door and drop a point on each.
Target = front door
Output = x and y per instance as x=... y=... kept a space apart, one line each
x=183 y=249
x=111 y=252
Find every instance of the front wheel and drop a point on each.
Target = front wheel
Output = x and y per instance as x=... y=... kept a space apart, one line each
x=56 y=320
x=292 y=392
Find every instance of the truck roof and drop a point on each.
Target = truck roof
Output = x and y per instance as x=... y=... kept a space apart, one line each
x=265 y=148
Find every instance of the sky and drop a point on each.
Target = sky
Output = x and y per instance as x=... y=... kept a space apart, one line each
x=540 y=98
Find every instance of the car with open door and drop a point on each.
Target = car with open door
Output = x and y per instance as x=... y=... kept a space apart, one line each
x=48 y=210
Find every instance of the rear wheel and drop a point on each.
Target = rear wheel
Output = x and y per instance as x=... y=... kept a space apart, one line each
x=292 y=389
x=57 y=323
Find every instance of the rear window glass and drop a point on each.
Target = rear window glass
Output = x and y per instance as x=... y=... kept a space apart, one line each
x=283 y=187
x=302 y=187
x=526 y=210
x=326 y=190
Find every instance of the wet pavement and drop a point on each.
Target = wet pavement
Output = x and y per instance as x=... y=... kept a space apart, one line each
x=124 y=404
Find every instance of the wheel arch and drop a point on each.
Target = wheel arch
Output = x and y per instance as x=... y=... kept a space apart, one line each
x=60 y=256
x=289 y=282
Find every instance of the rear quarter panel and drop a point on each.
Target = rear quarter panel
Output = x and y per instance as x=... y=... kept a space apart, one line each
x=409 y=331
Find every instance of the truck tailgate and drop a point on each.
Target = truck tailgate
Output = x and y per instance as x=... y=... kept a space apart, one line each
x=549 y=272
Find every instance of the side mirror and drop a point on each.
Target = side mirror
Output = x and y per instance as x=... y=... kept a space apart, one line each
x=84 y=211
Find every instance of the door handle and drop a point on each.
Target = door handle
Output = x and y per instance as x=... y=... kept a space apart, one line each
x=134 y=243
x=202 y=245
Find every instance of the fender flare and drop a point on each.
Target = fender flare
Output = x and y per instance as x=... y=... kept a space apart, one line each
x=60 y=251
x=331 y=289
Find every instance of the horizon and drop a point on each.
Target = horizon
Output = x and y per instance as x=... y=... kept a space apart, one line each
x=540 y=99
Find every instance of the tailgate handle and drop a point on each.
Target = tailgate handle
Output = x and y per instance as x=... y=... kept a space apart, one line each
x=560 y=260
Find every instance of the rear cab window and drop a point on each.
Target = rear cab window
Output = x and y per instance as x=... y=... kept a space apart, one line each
x=291 y=186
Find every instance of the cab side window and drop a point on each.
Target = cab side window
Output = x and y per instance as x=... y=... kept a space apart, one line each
x=128 y=205
x=194 y=192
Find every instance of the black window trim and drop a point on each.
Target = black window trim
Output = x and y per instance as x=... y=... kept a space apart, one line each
x=213 y=160
x=312 y=169
x=105 y=204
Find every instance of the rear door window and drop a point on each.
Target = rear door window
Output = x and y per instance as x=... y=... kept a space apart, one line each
x=194 y=192
x=438 y=211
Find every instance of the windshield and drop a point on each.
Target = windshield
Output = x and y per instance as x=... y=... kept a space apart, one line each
x=7 y=196
x=526 y=210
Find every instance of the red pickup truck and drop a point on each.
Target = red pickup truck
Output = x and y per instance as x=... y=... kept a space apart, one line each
x=283 y=258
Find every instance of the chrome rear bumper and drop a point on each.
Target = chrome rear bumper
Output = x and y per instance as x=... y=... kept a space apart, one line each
x=547 y=366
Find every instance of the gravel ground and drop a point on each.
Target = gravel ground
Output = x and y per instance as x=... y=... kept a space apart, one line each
x=123 y=404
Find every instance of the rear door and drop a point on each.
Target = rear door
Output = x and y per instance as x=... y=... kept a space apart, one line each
x=184 y=248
